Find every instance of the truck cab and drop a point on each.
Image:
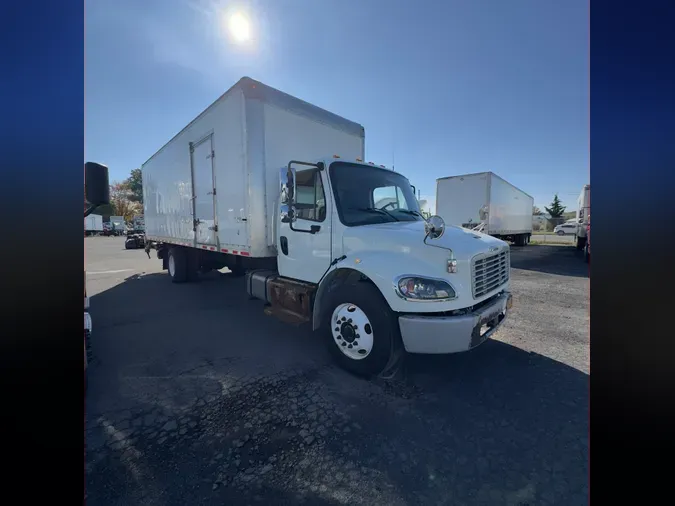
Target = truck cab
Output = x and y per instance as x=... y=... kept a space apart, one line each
x=357 y=259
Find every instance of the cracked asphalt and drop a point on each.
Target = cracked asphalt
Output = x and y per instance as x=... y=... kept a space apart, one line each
x=196 y=397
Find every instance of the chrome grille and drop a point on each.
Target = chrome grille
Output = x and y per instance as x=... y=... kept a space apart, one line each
x=488 y=272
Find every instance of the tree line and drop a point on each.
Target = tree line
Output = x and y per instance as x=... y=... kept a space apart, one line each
x=126 y=197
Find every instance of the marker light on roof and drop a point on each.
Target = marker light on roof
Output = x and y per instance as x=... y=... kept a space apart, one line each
x=336 y=156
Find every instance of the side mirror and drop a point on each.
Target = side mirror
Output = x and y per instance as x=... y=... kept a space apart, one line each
x=434 y=227
x=96 y=185
x=287 y=208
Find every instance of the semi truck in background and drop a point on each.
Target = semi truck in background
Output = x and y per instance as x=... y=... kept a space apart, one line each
x=277 y=189
x=96 y=193
x=93 y=224
x=486 y=202
x=582 y=216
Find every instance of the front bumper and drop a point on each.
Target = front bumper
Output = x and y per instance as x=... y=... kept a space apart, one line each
x=452 y=334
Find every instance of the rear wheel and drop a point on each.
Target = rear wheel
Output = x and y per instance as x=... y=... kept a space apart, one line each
x=580 y=243
x=177 y=265
x=560 y=232
x=359 y=328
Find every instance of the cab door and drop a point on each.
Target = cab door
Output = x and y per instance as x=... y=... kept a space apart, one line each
x=304 y=238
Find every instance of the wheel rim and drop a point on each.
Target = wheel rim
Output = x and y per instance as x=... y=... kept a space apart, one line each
x=172 y=266
x=352 y=331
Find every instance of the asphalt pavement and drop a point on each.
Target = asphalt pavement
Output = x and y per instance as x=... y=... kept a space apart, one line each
x=196 y=397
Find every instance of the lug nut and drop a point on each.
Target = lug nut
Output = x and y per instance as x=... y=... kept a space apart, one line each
x=343 y=343
x=349 y=321
x=350 y=346
x=343 y=318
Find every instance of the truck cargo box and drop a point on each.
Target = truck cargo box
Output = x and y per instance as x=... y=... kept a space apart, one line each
x=471 y=199
x=215 y=185
x=93 y=223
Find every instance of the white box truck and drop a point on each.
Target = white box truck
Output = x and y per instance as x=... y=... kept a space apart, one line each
x=117 y=225
x=93 y=224
x=276 y=188
x=486 y=202
x=582 y=216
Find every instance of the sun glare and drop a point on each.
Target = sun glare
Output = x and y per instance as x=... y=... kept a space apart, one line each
x=239 y=27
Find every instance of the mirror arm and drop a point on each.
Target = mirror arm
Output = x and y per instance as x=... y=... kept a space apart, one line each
x=89 y=210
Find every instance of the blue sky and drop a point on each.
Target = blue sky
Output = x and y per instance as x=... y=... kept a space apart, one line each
x=446 y=87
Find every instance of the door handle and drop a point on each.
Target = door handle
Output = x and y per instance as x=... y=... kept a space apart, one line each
x=314 y=229
x=284 y=244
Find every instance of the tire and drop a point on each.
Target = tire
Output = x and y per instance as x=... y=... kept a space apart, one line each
x=587 y=255
x=560 y=232
x=520 y=240
x=581 y=243
x=362 y=300
x=177 y=265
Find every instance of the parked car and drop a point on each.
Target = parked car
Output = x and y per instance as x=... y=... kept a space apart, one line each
x=566 y=229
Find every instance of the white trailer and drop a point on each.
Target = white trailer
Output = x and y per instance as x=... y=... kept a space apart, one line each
x=582 y=216
x=488 y=203
x=93 y=224
x=271 y=186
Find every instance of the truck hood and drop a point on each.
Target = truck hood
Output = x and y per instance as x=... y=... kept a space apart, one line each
x=385 y=251
x=408 y=237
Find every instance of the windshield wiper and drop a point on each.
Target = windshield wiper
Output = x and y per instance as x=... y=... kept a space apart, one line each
x=376 y=210
x=414 y=213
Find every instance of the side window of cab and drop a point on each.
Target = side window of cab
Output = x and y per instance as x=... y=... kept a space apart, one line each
x=310 y=199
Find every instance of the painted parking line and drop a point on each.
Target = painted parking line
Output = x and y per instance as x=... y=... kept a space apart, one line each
x=109 y=272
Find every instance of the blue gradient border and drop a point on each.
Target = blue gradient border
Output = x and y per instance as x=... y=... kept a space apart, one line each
x=633 y=245
x=42 y=87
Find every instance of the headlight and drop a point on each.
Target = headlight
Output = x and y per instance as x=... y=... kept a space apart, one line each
x=415 y=288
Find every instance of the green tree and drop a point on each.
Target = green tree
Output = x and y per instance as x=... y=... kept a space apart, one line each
x=557 y=209
x=134 y=183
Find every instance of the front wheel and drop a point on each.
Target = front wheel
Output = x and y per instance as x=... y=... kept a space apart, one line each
x=360 y=330
x=560 y=232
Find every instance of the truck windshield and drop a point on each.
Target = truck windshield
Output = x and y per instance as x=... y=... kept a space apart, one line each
x=366 y=195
